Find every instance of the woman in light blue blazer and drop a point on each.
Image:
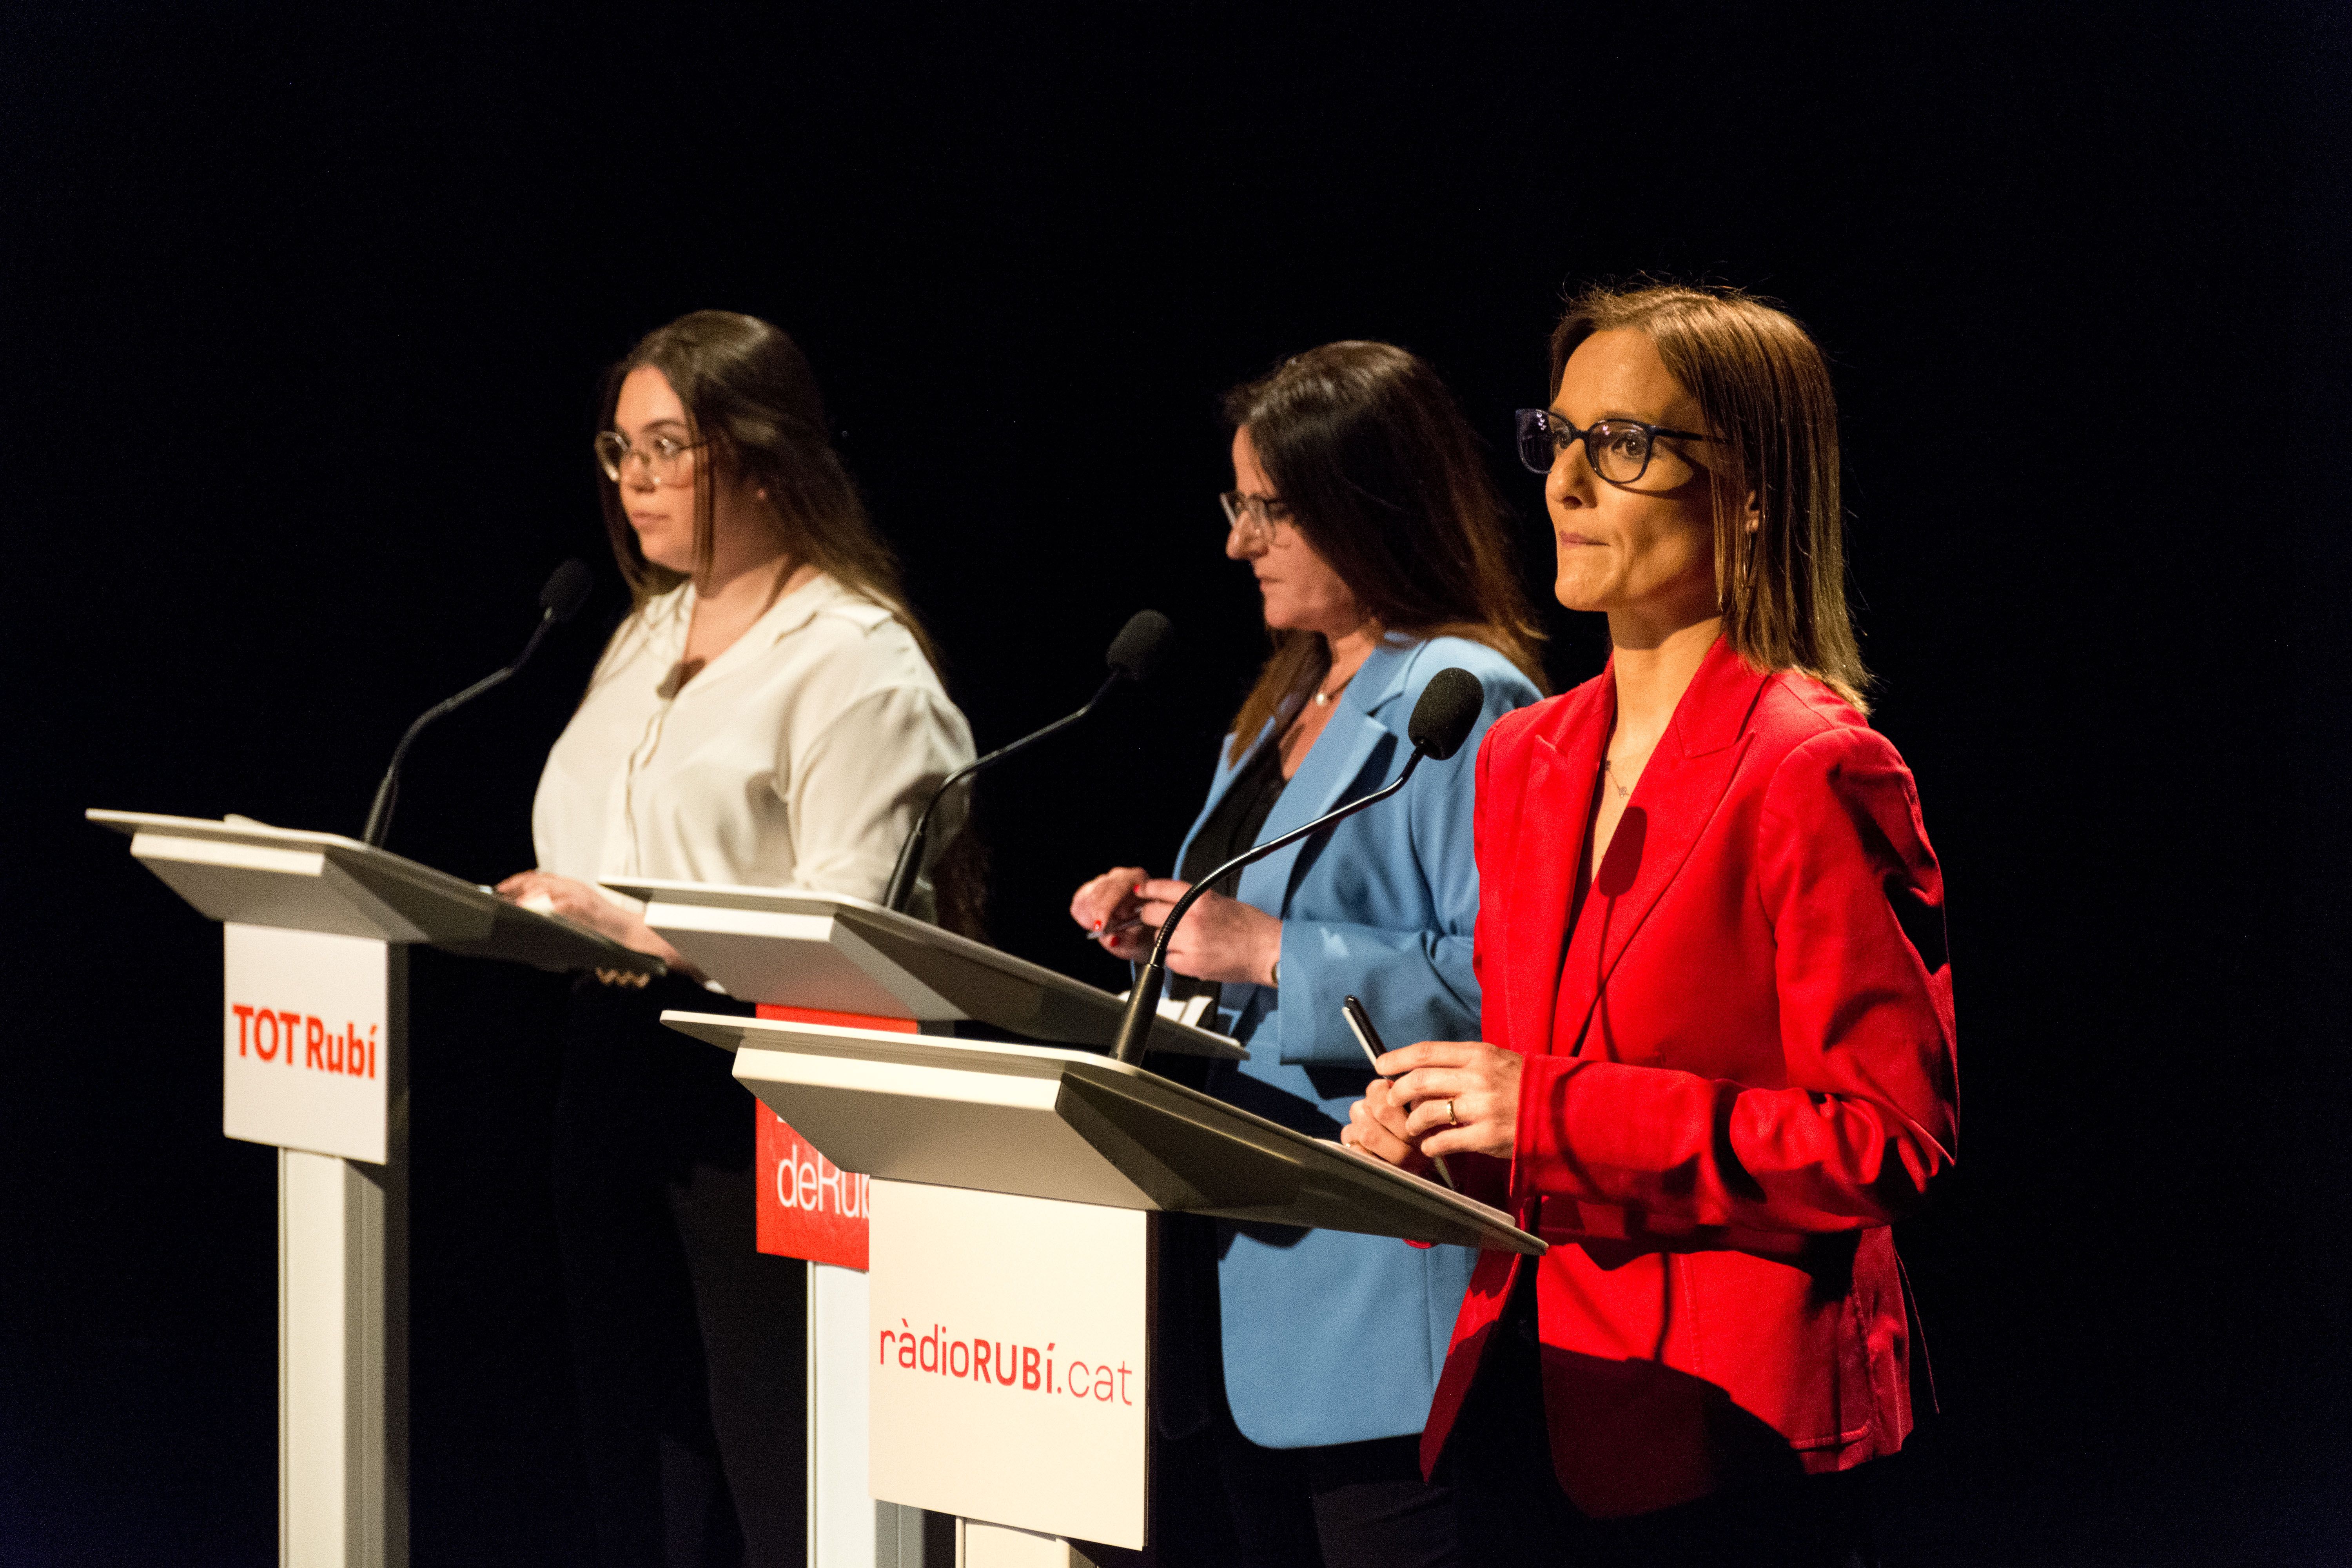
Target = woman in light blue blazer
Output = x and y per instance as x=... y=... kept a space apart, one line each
x=1363 y=508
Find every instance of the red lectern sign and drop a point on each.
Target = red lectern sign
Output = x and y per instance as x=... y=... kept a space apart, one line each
x=808 y=1206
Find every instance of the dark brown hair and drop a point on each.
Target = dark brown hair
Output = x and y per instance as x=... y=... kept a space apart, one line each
x=750 y=394
x=1383 y=478
x=1763 y=392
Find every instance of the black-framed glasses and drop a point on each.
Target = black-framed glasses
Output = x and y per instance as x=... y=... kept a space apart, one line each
x=664 y=456
x=1254 y=517
x=1618 y=450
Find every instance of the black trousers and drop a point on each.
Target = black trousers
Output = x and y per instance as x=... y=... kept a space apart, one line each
x=688 y=1344
x=1347 y=1505
x=1512 y=1513
x=1219 y=1498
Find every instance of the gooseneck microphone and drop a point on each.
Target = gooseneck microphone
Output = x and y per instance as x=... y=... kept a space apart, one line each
x=1134 y=655
x=568 y=587
x=1441 y=722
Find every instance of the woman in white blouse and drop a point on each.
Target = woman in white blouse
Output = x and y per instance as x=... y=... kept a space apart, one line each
x=770 y=714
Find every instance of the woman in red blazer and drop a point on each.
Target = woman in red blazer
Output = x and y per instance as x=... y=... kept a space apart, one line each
x=1718 y=1059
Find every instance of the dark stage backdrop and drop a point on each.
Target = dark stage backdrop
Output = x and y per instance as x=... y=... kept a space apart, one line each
x=302 y=320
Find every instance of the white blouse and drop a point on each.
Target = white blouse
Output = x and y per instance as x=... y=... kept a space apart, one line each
x=797 y=758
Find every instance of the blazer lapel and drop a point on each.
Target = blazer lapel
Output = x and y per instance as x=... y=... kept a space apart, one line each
x=1229 y=767
x=1349 y=741
x=1676 y=800
x=1546 y=843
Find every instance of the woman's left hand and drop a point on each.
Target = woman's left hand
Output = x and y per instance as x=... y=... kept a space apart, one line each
x=584 y=905
x=1459 y=1097
x=1220 y=939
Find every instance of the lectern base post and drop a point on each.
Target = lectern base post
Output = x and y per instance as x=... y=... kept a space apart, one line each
x=980 y=1545
x=342 y=1362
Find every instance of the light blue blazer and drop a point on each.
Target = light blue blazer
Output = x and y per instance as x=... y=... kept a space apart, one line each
x=1331 y=1337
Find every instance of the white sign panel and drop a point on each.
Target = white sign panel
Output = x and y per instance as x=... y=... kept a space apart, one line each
x=1008 y=1359
x=306 y=1040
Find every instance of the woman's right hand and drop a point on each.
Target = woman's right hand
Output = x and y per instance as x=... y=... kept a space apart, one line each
x=1106 y=907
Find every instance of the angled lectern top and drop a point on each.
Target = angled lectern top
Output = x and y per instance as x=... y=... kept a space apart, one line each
x=798 y=948
x=1069 y=1125
x=255 y=875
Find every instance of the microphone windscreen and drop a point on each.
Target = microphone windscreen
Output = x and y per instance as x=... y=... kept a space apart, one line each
x=1141 y=646
x=1449 y=706
x=568 y=587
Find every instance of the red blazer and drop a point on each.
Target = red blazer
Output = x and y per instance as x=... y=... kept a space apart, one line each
x=1738 y=1074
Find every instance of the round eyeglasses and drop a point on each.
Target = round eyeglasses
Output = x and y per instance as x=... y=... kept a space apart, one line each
x=664 y=456
x=1255 y=518
x=1618 y=450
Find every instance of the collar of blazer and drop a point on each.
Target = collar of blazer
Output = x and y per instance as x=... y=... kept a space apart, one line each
x=1670 y=806
x=1369 y=711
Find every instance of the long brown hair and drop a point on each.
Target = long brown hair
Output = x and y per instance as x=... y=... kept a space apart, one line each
x=1763 y=392
x=750 y=394
x=752 y=398
x=1384 y=479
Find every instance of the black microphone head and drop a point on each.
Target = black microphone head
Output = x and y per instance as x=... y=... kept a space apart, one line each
x=1449 y=706
x=1141 y=646
x=568 y=587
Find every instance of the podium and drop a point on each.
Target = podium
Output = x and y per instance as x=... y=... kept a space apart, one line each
x=830 y=954
x=846 y=959
x=1009 y=1334
x=315 y=934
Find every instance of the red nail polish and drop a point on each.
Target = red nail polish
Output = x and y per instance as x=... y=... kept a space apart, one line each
x=1098 y=925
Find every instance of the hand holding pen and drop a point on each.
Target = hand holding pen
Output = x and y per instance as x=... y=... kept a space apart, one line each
x=1110 y=912
x=1360 y=1023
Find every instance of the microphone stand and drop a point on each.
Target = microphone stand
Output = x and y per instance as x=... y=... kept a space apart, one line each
x=1143 y=1001
x=379 y=818
x=910 y=854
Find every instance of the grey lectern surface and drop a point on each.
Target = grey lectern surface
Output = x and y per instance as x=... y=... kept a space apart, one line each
x=1042 y=1122
x=316 y=929
x=256 y=875
x=803 y=949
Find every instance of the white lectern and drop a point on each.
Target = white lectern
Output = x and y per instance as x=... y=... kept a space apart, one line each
x=315 y=934
x=829 y=954
x=848 y=960
x=1008 y=1347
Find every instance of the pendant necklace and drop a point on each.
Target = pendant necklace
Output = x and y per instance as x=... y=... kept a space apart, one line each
x=1608 y=772
x=1323 y=698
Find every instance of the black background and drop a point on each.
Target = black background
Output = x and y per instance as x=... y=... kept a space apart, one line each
x=303 y=314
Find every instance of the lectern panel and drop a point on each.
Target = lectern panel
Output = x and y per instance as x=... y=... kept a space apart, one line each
x=310 y=1040
x=1008 y=1359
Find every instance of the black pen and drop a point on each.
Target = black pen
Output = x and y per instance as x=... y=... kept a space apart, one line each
x=1361 y=1024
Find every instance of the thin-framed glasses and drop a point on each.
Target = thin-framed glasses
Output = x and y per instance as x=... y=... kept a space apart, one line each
x=1252 y=517
x=664 y=456
x=1619 y=449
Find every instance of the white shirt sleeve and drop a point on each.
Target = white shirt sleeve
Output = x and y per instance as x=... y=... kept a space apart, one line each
x=852 y=789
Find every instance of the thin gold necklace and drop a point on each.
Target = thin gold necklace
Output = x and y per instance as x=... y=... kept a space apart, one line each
x=1608 y=772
